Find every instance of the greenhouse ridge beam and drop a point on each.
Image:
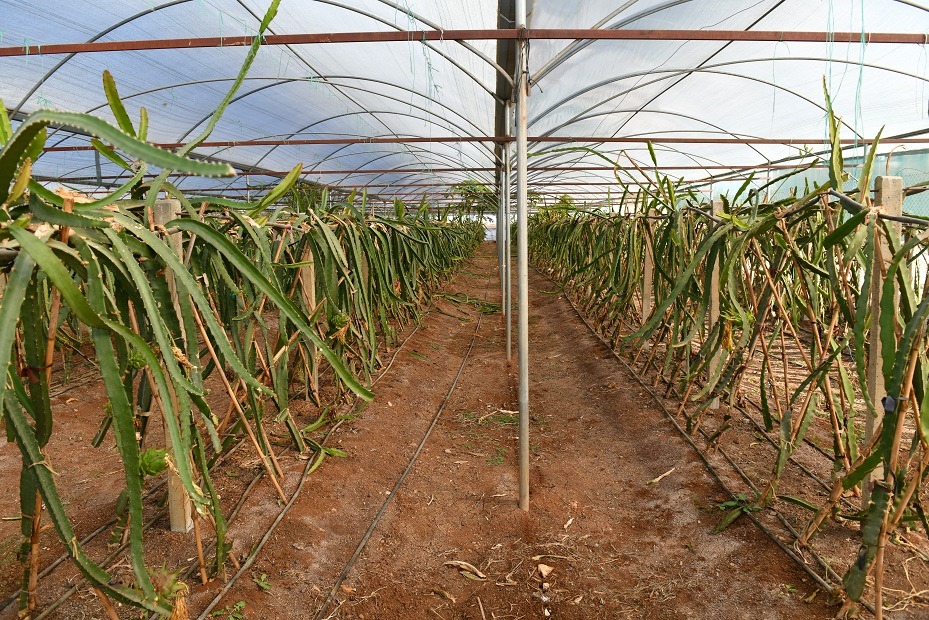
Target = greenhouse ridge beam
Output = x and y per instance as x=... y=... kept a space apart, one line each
x=595 y=34
x=534 y=139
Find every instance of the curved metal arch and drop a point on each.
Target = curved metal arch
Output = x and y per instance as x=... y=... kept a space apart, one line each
x=310 y=66
x=579 y=44
x=354 y=144
x=385 y=155
x=448 y=126
x=497 y=68
x=288 y=81
x=500 y=70
x=668 y=112
x=678 y=72
x=661 y=147
x=96 y=37
x=283 y=81
x=440 y=160
x=345 y=146
x=465 y=44
x=418 y=107
x=711 y=69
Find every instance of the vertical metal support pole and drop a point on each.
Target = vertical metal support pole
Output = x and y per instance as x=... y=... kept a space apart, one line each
x=508 y=249
x=713 y=309
x=522 y=251
x=179 y=507
x=501 y=239
x=888 y=198
x=648 y=274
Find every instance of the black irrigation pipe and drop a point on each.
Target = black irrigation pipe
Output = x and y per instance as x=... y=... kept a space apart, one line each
x=308 y=469
x=803 y=467
x=854 y=206
x=828 y=569
x=773 y=443
x=389 y=499
x=109 y=560
x=51 y=567
x=715 y=474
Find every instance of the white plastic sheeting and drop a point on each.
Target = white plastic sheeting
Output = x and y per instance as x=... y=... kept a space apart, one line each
x=656 y=89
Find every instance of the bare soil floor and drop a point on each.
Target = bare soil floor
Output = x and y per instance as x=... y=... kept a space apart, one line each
x=616 y=538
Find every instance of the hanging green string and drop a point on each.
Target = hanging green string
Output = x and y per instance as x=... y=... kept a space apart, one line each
x=859 y=122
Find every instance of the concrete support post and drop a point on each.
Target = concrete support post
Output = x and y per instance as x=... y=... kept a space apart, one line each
x=713 y=310
x=648 y=273
x=888 y=198
x=179 y=507
x=308 y=290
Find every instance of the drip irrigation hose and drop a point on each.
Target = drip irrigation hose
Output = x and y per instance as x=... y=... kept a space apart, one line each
x=761 y=430
x=387 y=501
x=110 y=559
x=310 y=468
x=712 y=470
x=235 y=511
x=804 y=468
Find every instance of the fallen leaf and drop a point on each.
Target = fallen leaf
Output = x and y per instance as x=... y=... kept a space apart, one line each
x=577 y=601
x=443 y=594
x=545 y=570
x=348 y=589
x=468 y=570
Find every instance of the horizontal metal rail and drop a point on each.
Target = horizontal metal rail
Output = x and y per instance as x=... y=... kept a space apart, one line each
x=496 y=139
x=595 y=34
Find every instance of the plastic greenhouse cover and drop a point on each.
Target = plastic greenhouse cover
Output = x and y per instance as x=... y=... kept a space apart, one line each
x=615 y=88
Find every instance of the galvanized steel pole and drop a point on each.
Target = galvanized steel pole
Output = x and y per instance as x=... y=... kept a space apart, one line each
x=522 y=247
x=501 y=231
x=508 y=162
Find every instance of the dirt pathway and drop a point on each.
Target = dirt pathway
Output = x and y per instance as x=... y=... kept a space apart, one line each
x=619 y=543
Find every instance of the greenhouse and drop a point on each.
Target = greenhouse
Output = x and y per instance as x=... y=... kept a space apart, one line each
x=391 y=309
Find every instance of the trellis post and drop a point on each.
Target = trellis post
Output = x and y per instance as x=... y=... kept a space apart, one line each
x=713 y=310
x=888 y=199
x=648 y=271
x=179 y=507
x=308 y=290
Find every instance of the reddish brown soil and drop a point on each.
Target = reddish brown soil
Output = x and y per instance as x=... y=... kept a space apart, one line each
x=619 y=544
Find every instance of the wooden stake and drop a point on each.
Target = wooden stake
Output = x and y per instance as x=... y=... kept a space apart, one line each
x=203 y=576
x=106 y=604
x=235 y=401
